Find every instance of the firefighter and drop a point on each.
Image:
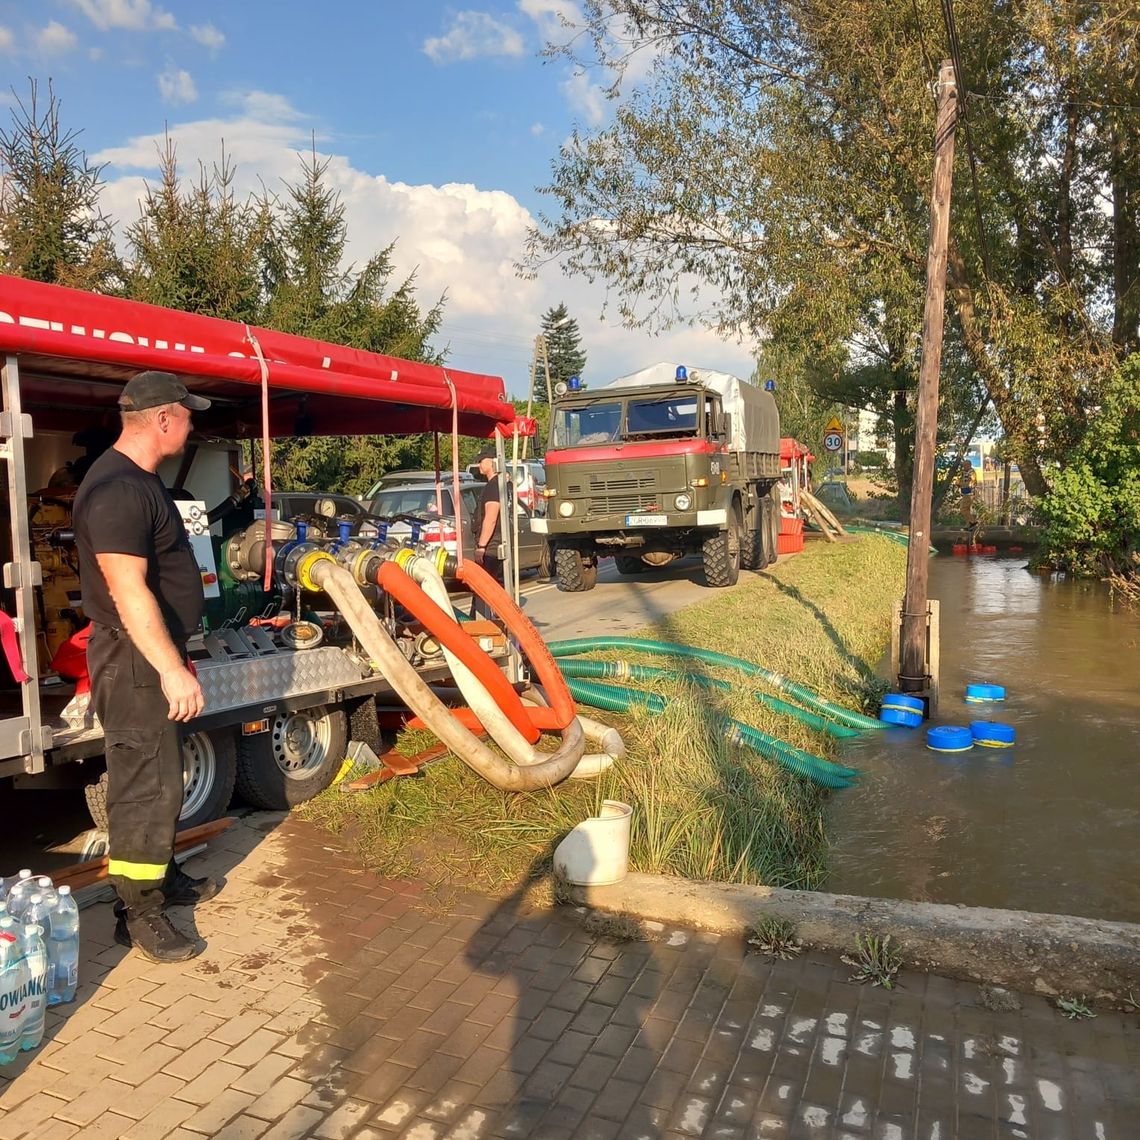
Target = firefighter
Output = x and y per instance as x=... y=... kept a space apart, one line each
x=142 y=589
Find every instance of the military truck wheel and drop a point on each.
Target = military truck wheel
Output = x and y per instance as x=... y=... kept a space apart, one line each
x=721 y=555
x=772 y=528
x=576 y=573
x=209 y=767
x=297 y=758
x=628 y=564
x=752 y=542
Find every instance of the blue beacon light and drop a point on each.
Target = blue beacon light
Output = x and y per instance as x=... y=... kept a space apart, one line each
x=769 y=385
x=682 y=374
x=574 y=384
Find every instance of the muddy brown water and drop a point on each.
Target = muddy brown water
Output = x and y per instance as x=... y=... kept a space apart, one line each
x=1051 y=825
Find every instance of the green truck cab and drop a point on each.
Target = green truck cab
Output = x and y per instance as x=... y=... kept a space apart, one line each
x=660 y=464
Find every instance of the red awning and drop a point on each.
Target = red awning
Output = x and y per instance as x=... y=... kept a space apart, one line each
x=77 y=349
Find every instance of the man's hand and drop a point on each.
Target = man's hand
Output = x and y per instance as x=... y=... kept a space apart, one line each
x=182 y=690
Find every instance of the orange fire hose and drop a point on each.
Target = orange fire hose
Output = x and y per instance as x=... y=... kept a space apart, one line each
x=392 y=580
x=562 y=710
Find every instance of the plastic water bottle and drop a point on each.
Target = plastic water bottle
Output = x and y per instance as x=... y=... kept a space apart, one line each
x=16 y=888
x=47 y=888
x=13 y=991
x=36 y=961
x=63 y=949
x=21 y=894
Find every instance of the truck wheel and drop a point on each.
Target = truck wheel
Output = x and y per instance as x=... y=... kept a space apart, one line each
x=772 y=529
x=753 y=544
x=575 y=573
x=721 y=555
x=209 y=767
x=628 y=564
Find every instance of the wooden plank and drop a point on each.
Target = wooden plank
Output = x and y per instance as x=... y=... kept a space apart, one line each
x=817 y=516
x=824 y=510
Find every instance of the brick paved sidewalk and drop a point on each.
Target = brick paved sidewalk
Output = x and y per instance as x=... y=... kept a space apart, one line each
x=333 y=1004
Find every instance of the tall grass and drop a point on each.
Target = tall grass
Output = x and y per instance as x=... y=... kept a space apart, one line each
x=703 y=808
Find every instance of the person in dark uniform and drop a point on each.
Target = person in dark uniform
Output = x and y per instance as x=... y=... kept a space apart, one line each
x=488 y=523
x=142 y=590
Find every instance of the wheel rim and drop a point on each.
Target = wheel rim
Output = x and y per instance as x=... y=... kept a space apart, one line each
x=301 y=742
x=199 y=772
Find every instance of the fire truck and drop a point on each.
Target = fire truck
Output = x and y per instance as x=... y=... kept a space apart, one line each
x=287 y=682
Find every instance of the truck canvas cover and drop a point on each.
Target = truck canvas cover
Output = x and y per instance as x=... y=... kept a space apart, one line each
x=755 y=420
x=77 y=350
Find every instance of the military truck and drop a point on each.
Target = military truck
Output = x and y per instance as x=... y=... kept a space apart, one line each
x=665 y=462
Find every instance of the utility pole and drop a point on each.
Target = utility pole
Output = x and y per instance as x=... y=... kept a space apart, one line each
x=912 y=663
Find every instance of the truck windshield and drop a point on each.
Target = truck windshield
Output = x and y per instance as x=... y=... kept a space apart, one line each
x=574 y=427
x=674 y=415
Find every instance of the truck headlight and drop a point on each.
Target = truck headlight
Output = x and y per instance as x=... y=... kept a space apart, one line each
x=565 y=509
x=683 y=502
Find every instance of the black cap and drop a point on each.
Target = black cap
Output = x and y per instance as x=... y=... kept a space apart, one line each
x=153 y=389
x=486 y=453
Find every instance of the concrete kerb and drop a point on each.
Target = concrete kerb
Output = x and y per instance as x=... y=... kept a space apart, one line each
x=1042 y=953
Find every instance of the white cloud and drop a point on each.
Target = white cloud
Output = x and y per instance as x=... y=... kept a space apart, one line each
x=55 y=39
x=458 y=238
x=7 y=40
x=176 y=86
x=208 y=36
x=537 y=129
x=474 y=35
x=588 y=99
x=131 y=15
x=552 y=16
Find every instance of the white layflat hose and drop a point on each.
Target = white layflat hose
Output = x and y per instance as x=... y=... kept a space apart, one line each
x=339 y=584
x=607 y=738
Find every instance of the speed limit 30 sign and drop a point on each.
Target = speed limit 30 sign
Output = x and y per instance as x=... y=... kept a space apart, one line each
x=833 y=441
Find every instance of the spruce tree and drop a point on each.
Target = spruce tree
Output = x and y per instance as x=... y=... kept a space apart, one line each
x=51 y=226
x=563 y=350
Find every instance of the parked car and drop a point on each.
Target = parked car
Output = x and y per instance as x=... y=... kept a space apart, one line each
x=419 y=499
x=321 y=505
x=398 y=478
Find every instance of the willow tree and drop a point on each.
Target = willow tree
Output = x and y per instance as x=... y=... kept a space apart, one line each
x=768 y=163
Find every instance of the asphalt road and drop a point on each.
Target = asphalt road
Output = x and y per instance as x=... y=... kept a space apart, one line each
x=618 y=604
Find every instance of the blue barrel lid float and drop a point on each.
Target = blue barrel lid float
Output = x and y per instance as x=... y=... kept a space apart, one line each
x=979 y=694
x=949 y=738
x=991 y=734
x=898 y=708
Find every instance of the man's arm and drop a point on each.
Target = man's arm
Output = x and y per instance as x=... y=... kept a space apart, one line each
x=142 y=619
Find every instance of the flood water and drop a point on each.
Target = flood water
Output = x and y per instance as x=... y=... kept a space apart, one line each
x=1051 y=825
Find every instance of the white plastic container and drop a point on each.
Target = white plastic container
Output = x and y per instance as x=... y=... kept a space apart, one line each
x=596 y=852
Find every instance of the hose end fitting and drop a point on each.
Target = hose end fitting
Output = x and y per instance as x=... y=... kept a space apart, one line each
x=306 y=566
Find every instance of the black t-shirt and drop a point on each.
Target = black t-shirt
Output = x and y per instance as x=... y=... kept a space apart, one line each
x=122 y=509
x=490 y=495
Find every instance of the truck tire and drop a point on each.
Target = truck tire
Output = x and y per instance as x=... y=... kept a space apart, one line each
x=628 y=564
x=772 y=528
x=576 y=574
x=721 y=555
x=295 y=760
x=209 y=766
x=753 y=544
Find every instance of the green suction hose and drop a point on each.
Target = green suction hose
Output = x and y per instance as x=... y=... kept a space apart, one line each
x=802 y=693
x=615 y=698
x=623 y=670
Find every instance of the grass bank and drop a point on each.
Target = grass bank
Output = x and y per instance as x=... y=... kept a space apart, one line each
x=703 y=808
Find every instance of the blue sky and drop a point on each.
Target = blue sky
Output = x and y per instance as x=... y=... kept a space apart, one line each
x=439 y=122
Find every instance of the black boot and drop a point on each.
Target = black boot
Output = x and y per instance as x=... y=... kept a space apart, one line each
x=154 y=936
x=181 y=889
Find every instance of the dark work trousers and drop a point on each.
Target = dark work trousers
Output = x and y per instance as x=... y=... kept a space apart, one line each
x=144 y=767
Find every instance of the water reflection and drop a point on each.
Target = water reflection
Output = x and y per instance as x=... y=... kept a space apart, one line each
x=1051 y=825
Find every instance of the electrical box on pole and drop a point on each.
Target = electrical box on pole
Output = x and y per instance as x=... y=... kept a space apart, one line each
x=914 y=668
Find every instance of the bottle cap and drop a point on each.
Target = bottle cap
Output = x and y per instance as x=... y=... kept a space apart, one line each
x=65 y=890
x=44 y=881
x=36 y=898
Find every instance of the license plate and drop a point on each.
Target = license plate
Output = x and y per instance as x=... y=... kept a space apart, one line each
x=646 y=520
